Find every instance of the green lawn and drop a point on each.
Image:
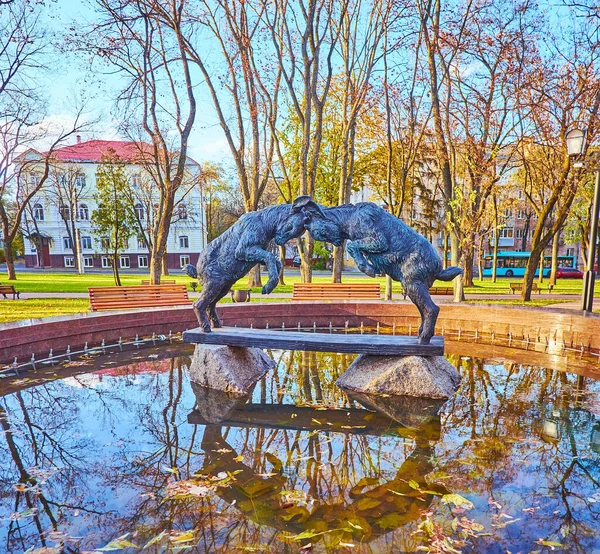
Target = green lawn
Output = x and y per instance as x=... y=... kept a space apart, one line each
x=71 y=282
x=14 y=310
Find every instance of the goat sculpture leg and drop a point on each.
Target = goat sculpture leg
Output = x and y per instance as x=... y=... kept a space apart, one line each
x=212 y=307
x=257 y=255
x=418 y=292
x=374 y=244
x=210 y=295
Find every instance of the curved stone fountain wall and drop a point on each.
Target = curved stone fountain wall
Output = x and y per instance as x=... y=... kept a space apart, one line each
x=549 y=331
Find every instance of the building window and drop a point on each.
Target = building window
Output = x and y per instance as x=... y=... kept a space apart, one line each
x=84 y=213
x=86 y=243
x=136 y=180
x=570 y=252
x=38 y=212
x=65 y=212
x=80 y=181
x=519 y=233
x=142 y=261
x=67 y=244
x=88 y=261
x=139 y=211
x=105 y=243
x=69 y=261
x=521 y=214
x=106 y=261
x=183 y=261
x=182 y=211
x=507 y=212
x=124 y=262
x=184 y=242
x=142 y=244
x=507 y=233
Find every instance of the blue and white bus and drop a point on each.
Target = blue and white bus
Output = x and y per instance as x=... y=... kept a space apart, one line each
x=513 y=264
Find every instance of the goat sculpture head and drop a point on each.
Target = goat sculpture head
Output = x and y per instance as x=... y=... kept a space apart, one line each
x=294 y=223
x=319 y=225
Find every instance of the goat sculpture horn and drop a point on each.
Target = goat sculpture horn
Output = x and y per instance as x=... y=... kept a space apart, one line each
x=307 y=204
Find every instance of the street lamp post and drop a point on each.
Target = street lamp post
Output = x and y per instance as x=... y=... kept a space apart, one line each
x=576 y=139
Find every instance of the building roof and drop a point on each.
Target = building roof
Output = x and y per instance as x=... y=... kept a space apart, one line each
x=93 y=150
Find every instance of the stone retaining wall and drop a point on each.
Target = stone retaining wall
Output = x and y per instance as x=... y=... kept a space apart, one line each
x=550 y=328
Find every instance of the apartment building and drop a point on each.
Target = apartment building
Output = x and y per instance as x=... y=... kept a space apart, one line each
x=49 y=236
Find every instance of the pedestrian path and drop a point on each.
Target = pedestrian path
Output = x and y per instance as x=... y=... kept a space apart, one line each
x=397 y=297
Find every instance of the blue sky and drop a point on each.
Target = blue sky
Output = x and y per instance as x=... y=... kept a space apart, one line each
x=68 y=80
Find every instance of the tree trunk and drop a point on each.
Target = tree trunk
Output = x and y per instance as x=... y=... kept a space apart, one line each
x=495 y=260
x=282 y=261
x=468 y=268
x=555 y=242
x=541 y=269
x=116 y=269
x=165 y=265
x=532 y=265
x=10 y=259
x=388 y=287
x=155 y=268
x=445 y=260
x=459 y=292
x=338 y=263
x=306 y=254
x=72 y=232
x=254 y=280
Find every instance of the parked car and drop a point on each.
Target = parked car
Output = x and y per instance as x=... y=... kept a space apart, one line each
x=296 y=261
x=568 y=273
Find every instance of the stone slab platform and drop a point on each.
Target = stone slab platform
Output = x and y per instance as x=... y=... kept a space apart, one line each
x=383 y=345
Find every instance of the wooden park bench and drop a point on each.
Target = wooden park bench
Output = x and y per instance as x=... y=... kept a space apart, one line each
x=336 y=291
x=144 y=296
x=435 y=290
x=441 y=290
x=9 y=289
x=518 y=287
x=162 y=281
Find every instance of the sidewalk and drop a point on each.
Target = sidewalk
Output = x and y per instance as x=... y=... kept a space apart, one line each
x=440 y=298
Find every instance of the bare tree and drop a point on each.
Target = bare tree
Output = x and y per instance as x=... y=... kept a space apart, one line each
x=145 y=41
x=305 y=37
x=66 y=187
x=241 y=83
x=363 y=27
x=563 y=88
x=23 y=174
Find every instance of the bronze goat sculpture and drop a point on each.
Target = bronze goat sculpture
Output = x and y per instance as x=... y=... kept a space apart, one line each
x=381 y=243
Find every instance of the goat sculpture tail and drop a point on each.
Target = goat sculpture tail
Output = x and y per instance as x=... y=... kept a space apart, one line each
x=450 y=273
x=191 y=271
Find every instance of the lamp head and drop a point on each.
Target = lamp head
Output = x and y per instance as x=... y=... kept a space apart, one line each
x=576 y=139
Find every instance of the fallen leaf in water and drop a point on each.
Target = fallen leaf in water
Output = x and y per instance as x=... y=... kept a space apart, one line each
x=117 y=544
x=15 y=516
x=458 y=500
x=178 y=537
x=552 y=544
x=156 y=539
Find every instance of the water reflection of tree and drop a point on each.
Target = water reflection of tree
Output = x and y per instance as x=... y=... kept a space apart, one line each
x=504 y=412
x=491 y=449
x=36 y=426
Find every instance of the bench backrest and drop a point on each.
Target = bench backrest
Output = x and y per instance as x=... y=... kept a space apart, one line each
x=143 y=296
x=162 y=281
x=336 y=291
x=10 y=288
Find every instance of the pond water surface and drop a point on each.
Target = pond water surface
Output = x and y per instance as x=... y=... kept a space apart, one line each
x=119 y=459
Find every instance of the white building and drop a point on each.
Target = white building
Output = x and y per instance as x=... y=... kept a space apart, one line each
x=46 y=221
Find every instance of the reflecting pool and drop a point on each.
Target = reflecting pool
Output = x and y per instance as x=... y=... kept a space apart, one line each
x=113 y=455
